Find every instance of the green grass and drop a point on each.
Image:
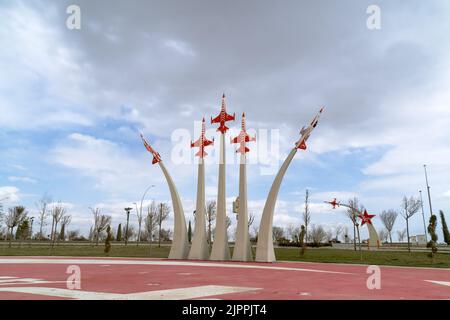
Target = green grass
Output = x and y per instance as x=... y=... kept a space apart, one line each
x=391 y=258
x=394 y=258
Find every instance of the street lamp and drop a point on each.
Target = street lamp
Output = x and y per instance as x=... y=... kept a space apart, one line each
x=140 y=211
x=128 y=209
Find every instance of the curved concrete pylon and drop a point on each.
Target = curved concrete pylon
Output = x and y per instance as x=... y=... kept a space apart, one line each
x=220 y=250
x=242 y=248
x=199 y=247
x=180 y=246
x=264 y=250
x=374 y=240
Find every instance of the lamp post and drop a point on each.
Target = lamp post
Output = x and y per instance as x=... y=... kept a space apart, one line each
x=128 y=209
x=140 y=212
x=423 y=217
x=31 y=228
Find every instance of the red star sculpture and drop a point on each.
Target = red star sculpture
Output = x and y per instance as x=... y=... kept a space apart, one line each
x=366 y=217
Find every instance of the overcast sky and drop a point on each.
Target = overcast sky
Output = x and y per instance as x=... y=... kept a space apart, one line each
x=73 y=101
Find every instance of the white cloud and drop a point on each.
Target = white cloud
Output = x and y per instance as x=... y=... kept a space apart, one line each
x=22 y=179
x=10 y=194
x=179 y=46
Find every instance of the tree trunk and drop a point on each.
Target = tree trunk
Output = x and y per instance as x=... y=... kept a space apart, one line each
x=390 y=237
x=10 y=237
x=98 y=236
x=359 y=243
x=354 y=235
x=139 y=233
x=407 y=234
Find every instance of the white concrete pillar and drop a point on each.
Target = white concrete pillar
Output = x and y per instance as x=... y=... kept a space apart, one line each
x=180 y=246
x=242 y=247
x=374 y=240
x=264 y=250
x=220 y=249
x=199 y=248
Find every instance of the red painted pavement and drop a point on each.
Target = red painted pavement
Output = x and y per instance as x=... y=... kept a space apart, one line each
x=396 y=282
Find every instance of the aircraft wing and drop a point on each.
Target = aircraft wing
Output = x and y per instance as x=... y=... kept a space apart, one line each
x=196 y=143
x=229 y=117
x=216 y=119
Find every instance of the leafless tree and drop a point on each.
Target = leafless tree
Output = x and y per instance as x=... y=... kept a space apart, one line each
x=306 y=214
x=65 y=221
x=293 y=232
x=14 y=218
x=388 y=219
x=318 y=234
x=150 y=221
x=337 y=231
x=103 y=222
x=42 y=206
x=410 y=207
x=96 y=215
x=278 y=233
x=352 y=213
x=384 y=235
x=57 y=212
x=401 y=235
x=251 y=219
x=210 y=217
x=73 y=235
x=329 y=236
x=163 y=214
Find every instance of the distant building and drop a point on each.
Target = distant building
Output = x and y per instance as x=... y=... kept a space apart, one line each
x=418 y=240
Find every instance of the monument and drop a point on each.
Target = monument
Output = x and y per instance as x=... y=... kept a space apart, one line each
x=220 y=249
x=242 y=249
x=199 y=248
x=264 y=249
x=242 y=246
x=180 y=246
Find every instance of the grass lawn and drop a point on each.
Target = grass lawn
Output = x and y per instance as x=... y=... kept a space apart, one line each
x=395 y=258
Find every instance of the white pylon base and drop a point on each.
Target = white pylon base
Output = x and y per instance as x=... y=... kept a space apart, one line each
x=242 y=248
x=180 y=245
x=264 y=250
x=220 y=250
x=199 y=248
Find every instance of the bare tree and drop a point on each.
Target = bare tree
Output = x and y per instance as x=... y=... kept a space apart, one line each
x=318 y=234
x=337 y=231
x=329 y=236
x=57 y=212
x=388 y=219
x=306 y=214
x=163 y=213
x=352 y=213
x=401 y=235
x=410 y=207
x=42 y=206
x=278 y=233
x=210 y=217
x=103 y=222
x=93 y=234
x=384 y=235
x=14 y=218
x=150 y=221
x=293 y=232
x=65 y=221
x=251 y=219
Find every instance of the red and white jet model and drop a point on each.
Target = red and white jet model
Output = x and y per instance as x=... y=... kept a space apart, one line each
x=306 y=132
x=243 y=138
x=334 y=203
x=156 y=156
x=223 y=117
x=202 y=142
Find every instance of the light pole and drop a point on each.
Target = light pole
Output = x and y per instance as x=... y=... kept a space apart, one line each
x=140 y=212
x=428 y=189
x=423 y=216
x=31 y=228
x=128 y=209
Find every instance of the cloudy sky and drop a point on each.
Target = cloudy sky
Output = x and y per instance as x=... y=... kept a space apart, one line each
x=73 y=101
